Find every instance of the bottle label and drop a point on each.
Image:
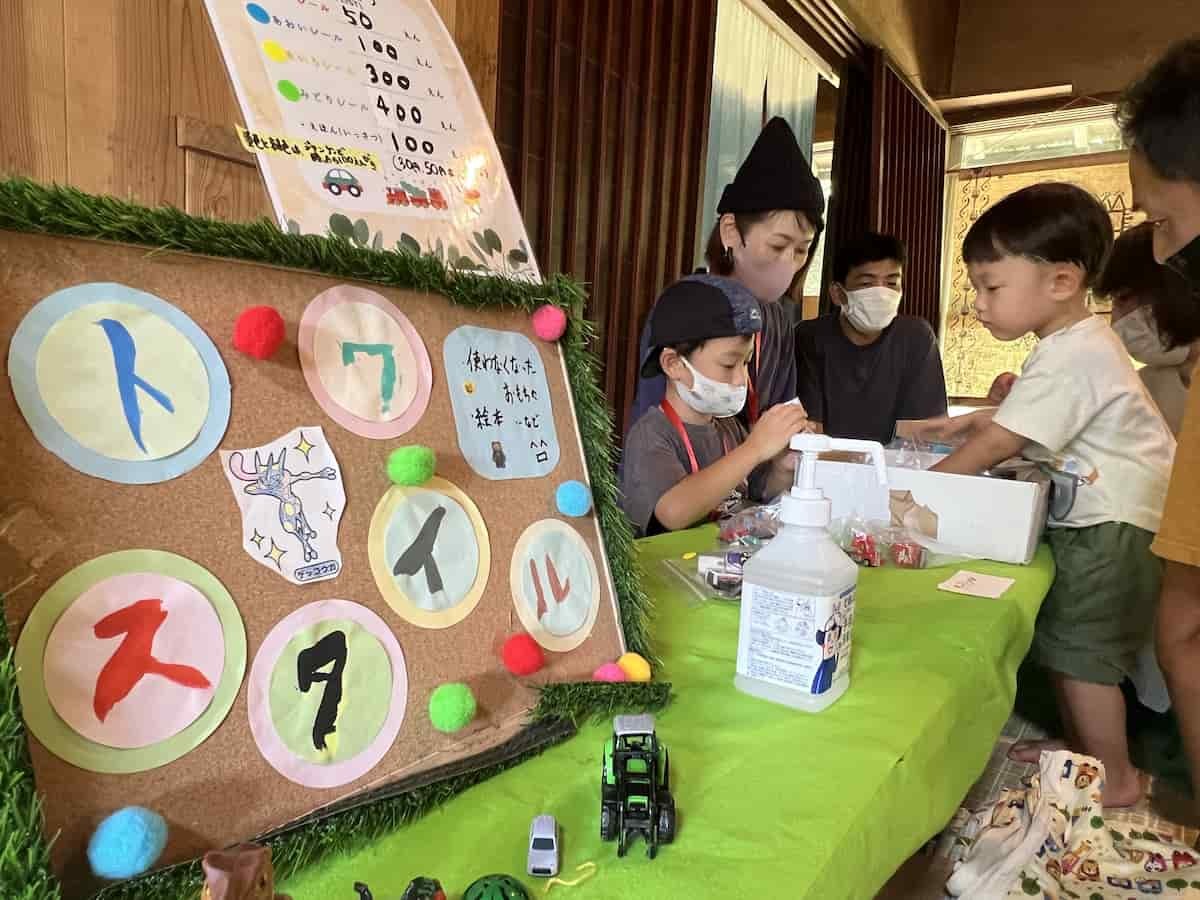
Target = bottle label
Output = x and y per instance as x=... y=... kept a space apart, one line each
x=794 y=640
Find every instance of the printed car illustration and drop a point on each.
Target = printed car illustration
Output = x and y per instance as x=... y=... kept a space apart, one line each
x=338 y=180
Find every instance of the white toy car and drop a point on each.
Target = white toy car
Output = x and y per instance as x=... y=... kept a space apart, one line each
x=543 y=847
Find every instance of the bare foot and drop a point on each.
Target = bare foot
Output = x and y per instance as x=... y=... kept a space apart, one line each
x=1127 y=790
x=1031 y=751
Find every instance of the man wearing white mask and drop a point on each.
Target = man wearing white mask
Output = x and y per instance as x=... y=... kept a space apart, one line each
x=865 y=371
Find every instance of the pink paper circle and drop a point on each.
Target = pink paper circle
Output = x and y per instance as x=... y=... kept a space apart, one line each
x=156 y=708
x=313 y=313
x=272 y=747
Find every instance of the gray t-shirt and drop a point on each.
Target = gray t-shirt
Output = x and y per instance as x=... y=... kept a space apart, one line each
x=656 y=460
x=861 y=392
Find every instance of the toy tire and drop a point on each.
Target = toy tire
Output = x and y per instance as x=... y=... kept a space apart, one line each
x=666 y=819
x=608 y=823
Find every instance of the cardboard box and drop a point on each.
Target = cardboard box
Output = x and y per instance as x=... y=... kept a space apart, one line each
x=982 y=517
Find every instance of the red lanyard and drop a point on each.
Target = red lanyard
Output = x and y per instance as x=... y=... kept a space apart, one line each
x=673 y=418
x=752 y=399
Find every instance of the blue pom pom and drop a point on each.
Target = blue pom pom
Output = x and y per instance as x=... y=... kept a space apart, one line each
x=127 y=843
x=573 y=498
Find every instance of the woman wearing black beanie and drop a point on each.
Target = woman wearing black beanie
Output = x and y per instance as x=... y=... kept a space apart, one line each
x=769 y=220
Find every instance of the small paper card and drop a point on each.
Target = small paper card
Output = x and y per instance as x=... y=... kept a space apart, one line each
x=974 y=584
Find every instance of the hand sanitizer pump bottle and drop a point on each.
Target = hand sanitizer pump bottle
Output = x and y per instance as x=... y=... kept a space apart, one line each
x=797 y=612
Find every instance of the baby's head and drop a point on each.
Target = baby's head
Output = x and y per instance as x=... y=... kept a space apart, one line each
x=1033 y=257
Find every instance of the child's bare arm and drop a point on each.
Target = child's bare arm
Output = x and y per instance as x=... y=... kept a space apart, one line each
x=989 y=445
x=696 y=496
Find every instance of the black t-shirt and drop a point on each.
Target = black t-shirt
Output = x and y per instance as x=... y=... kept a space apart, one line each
x=861 y=392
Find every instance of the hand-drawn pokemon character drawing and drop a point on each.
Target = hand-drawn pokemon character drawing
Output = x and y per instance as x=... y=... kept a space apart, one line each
x=272 y=479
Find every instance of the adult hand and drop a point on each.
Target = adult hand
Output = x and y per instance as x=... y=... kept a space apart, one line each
x=774 y=430
x=1001 y=387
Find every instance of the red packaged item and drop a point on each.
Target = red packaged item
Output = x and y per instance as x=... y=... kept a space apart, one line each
x=908 y=554
x=864 y=549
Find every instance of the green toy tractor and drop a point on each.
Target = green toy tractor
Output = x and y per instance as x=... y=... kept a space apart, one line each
x=635 y=794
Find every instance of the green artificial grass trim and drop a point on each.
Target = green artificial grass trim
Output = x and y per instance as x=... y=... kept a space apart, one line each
x=25 y=206
x=24 y=854
x=595 y=701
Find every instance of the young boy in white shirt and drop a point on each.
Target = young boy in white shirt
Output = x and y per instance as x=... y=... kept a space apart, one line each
x=1080 y=410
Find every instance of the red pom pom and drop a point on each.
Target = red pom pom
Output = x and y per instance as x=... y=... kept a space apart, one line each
x=522 y=655
x=549 y=322
x=258 y=331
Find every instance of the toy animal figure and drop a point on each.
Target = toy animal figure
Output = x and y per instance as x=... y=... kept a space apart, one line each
x=243 y=872
x=1089 y=870
x=1156 y=863
x=274 y=480
x=1181 y=860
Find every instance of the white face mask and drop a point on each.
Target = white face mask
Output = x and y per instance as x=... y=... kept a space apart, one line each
x=1139 y=333
x=711 y=398
x=765 y=280
x=872 y=309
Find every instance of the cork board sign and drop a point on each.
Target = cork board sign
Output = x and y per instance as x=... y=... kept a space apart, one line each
x=224 y=610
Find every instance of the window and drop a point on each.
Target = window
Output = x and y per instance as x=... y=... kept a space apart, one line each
x=989 y=161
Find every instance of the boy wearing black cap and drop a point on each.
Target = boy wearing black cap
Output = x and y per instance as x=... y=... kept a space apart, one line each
x=689 y=458
x=769 y=220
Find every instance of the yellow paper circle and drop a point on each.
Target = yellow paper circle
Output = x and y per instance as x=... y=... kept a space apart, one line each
x=77 y=380
x=381 y=566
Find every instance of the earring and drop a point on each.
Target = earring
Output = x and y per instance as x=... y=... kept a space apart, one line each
x=728 y=257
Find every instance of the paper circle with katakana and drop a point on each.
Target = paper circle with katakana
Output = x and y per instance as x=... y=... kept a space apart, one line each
x=327 y=693
x=129 y=661
x=555 y=585
x=429 y=552
x=119 y=383
x=364 y=362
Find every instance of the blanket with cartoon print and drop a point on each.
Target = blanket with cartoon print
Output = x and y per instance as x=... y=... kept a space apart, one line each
x=1050 y=840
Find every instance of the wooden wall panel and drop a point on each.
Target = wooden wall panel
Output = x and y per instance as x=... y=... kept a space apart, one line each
x=889 y=167
x=907 y=187
x=33 y=91
x=601 y=118
x=222 y=189
x=123 y=78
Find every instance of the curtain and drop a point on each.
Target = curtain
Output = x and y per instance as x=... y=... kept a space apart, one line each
x=757 y=73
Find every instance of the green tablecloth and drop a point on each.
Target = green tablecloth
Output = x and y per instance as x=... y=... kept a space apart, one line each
x=772 y=802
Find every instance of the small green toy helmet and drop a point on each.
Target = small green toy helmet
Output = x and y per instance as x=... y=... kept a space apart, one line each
x=496 y=887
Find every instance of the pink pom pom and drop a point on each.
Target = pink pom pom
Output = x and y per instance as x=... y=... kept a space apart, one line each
x=522 y=655
x=609 y=672
x=549 y=322
x=258 y=331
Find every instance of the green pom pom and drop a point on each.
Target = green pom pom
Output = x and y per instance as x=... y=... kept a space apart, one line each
x=451 y=707
x=411 y=466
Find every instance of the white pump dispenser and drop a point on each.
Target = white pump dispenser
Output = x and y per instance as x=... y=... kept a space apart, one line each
x=797 y=610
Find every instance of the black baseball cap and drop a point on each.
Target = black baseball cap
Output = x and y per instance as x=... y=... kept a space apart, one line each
x=699 y=308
